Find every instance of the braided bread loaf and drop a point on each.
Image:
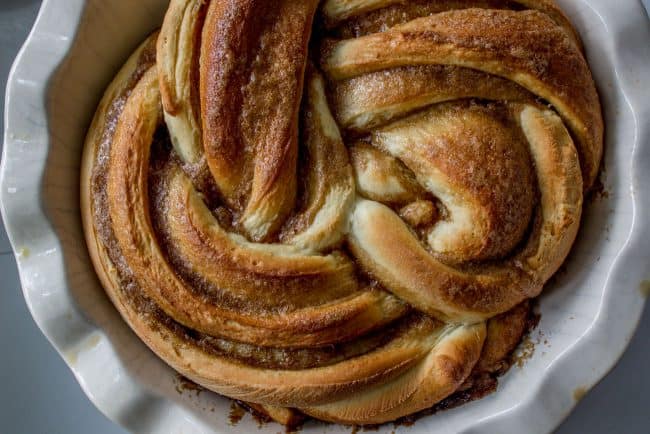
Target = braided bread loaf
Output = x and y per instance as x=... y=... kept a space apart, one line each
x=341 y=208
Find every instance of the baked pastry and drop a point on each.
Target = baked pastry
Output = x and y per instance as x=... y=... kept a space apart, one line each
x=341 y=208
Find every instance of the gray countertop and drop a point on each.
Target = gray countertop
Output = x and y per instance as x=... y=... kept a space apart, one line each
x=40 y=395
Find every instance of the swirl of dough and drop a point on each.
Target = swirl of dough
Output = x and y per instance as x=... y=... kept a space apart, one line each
x=340 y=208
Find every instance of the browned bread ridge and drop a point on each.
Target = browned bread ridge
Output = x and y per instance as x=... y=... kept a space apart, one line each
x=340 y=209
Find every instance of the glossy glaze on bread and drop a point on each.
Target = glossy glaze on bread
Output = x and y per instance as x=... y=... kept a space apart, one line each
x=340 y=207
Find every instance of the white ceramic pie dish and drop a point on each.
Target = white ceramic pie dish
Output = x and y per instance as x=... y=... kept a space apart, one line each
x=589 y=312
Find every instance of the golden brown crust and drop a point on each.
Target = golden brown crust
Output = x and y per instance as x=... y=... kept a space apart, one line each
x=386 y=246
x=504 y=332
x=473 y=155
x=284 y=416
x=361 y=264
x=437 y=376
x=483 y=40
x=252 y=66
x=177 y=58
x=99 y=132
x=362 y=17
x=411 y=88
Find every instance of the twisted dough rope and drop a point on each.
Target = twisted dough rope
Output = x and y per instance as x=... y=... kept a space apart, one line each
x=247 y=300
